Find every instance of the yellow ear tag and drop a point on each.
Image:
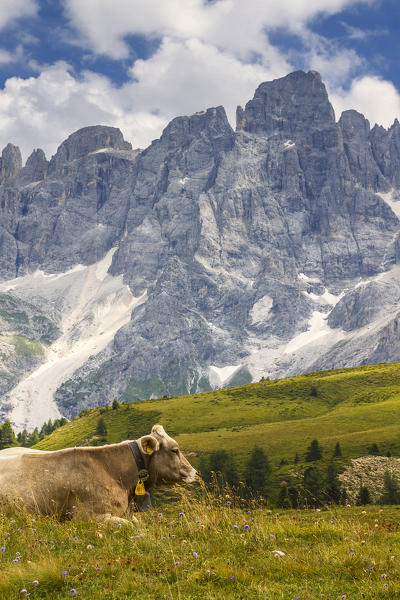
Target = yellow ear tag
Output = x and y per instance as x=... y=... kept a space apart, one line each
x=149 y=450
x=140 y=489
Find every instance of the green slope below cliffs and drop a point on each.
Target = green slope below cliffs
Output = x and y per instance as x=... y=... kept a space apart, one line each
x=356 y=407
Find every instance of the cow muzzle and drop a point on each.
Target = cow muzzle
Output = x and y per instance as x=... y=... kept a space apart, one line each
x=191 y=477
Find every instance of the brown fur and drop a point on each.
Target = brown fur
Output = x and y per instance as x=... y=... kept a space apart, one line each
x=87 y=482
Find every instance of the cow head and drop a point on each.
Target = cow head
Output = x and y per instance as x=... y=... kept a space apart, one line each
x=167 y=463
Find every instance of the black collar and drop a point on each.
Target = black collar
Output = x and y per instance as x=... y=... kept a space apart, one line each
x=137 y=455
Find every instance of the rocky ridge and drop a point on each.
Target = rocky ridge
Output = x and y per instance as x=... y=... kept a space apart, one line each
x=270 y=250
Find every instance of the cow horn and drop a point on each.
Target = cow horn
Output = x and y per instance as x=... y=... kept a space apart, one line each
x=159 y=430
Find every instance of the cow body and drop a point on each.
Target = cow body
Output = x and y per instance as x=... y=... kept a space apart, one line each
x=88 y=482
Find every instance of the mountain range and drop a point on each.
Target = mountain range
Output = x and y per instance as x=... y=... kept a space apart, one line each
x=212 y=258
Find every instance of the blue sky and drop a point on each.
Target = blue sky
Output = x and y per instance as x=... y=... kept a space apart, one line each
x=135 y=64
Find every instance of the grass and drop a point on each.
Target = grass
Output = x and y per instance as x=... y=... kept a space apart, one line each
x=201 y=548
x=356 y=407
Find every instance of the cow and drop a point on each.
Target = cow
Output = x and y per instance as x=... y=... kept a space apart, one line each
x=90 y=482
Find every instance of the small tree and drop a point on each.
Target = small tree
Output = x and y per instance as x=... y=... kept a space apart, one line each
x=373 y=449
x=313 y=486
x=22 y=437
x=314 y=391
x=33 y=438
x=257 y=473
x=223 y=465
x=115 y=404
x=363 y=497
x=7 y=436
x=204 y=469
x=332 y=484
x=391 y=492
x=101 y=428
x=283 y=497
x=296 y=458
x=293 y=494
x=337 y=451
x=314 y=451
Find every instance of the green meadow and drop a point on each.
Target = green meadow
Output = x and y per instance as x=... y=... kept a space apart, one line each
x=195 y=545
x=357 y=407
x=204 y=548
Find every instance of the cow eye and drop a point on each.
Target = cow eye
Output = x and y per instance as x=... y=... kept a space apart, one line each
x=175 y=450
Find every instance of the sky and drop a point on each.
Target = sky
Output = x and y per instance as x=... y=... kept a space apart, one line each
x=137 y=64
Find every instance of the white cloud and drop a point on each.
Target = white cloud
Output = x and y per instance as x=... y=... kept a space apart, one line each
x=184 y=77
x=378 y=100
x=42 y=111
x=5 y=57
x=234 y=25
x=15 y=9
x=355 y=33
x=181 y=78
x=206 y=57
x=336 y=65
x=9 y=57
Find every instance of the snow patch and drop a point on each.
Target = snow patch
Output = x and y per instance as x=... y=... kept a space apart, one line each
x=325 y=298
x=305 y=277
x=289 y=144
x=94 y=306
x=318 y=328
x=394 y=204
x=261 y=309
x=184 y=180
x=220 y=375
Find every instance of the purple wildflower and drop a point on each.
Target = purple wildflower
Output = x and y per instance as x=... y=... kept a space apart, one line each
x=64 y=573
x=351 y=549
x=160 y=515
x=35 y=582
x=233 y=578
x=24 y=591
x=235 y=527
x=383 y=576
x=228 y=502
x=76 y=539
x=72 y=592
x=3 y=549
x=176 y=563
x=181 y=514
x=195 y=555
x=246 y=527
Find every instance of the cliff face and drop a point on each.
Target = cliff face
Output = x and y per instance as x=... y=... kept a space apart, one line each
x=268 y=250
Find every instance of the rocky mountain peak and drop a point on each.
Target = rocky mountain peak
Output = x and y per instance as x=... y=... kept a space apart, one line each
x=212 y=123
x=87 y=140
x=35 y=168
x=268 y=251
x=287 y=106
x=10 y=163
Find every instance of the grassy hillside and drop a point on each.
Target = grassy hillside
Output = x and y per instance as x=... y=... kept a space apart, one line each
x=356 y=407
x=202 y=550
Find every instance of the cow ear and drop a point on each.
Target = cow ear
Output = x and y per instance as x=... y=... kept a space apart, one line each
x=149 y=444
